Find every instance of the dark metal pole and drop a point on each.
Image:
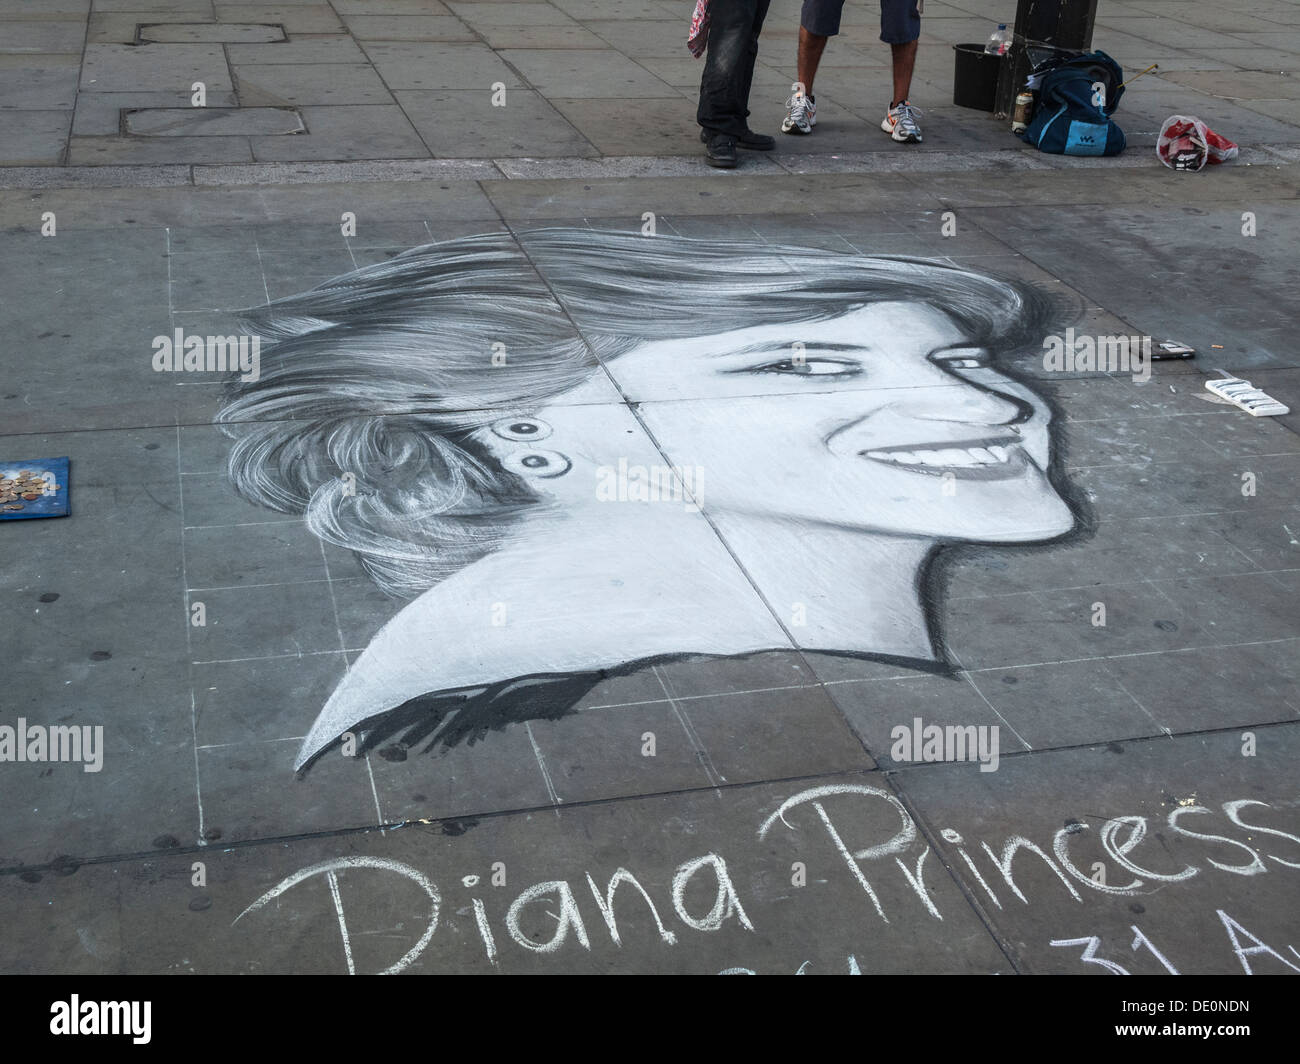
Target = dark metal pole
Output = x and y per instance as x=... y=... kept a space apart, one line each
x=1059 y=23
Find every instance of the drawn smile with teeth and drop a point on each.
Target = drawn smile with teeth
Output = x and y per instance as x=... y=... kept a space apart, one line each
x=991 y=455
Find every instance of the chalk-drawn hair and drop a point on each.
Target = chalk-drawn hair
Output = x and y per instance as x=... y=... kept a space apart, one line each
x=385 y=372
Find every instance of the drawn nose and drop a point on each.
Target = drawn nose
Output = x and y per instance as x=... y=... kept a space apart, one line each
x=978 y=410
x=968 y=403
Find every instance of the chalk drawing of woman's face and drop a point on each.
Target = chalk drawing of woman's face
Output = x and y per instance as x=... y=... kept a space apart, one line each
x=882 y=419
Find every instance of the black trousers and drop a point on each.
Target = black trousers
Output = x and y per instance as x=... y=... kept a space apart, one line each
x=729 y=64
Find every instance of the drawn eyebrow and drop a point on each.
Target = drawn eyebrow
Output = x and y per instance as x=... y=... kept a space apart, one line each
x=787 y=348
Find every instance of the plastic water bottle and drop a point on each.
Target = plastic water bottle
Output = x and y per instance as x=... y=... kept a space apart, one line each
x=999 y=41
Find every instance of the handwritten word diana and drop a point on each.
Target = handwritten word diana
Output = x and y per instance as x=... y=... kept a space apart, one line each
x=707 y=876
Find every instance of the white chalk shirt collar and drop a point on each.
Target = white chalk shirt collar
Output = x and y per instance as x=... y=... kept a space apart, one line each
x=512 y=616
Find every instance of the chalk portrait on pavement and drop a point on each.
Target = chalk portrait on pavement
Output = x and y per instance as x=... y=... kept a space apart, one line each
x=568 y=454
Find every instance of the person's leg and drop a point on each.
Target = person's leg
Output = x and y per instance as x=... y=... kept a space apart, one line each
x=904 y=56
x=900 y=28
x=819 y=21
x=811 y=47
x=751 y=54
x=723 y=84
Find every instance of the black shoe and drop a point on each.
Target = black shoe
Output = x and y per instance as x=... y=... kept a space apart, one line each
x=720 y=150
x=749 y=139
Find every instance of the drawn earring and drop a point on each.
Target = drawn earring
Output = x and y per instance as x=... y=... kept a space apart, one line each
x=545 y=464
x=521 y=429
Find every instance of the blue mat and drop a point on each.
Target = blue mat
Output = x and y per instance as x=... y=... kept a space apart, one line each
x=44 y=478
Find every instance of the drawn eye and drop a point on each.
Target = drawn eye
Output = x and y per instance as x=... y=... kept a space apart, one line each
x=812 y=367
x=972 y=360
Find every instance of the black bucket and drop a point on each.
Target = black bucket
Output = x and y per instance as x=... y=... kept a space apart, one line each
x=975 y=82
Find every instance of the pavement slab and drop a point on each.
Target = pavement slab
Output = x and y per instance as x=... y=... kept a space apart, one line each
x=295 y=18
x=120 y=68
x=435 y=66
x=461 y=124
x=33 y=138
x=116 y=151
x=544 y=37
x=407 y=28
x=43 y=37
x=217 y=33
x=38 y=83
x=603 y=124
x=212 y=122
x=332 y=132
x=41 y=9
x=577 y=72
x=276 y=84
x=123 y=26
x=318 y=49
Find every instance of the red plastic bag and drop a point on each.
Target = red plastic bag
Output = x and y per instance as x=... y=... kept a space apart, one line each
x=698 y=38
x=1187 y=143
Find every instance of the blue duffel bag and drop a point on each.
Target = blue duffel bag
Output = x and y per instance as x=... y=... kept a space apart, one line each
x=1075 y=102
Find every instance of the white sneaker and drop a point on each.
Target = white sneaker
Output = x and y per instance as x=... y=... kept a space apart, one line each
x=900 y=123
x=800 y=114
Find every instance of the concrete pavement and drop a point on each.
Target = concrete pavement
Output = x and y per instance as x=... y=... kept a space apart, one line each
x=1146 y=778
x=573 y=79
